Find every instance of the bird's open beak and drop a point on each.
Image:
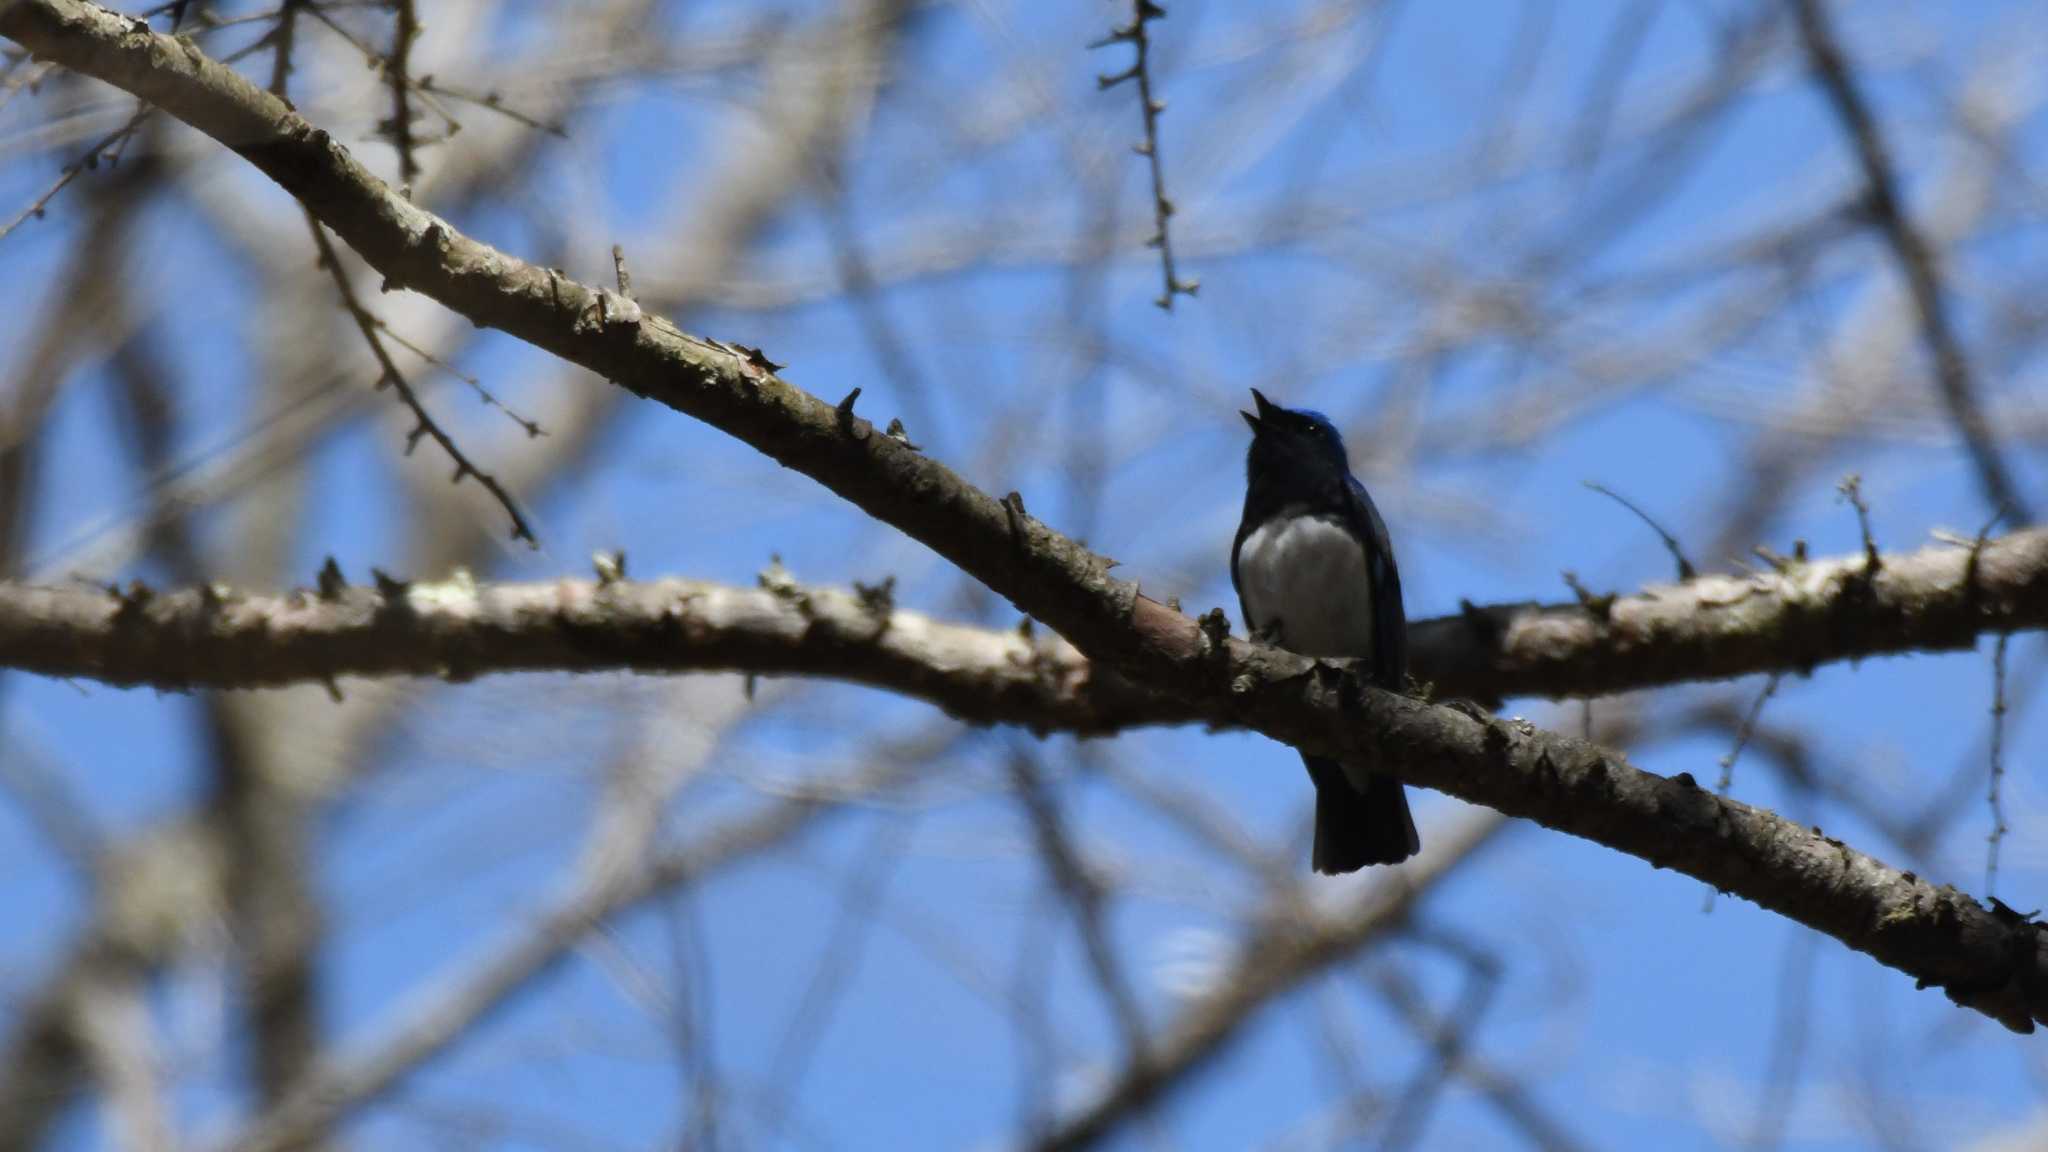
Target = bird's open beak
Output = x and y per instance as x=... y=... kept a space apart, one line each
x=1264 y=406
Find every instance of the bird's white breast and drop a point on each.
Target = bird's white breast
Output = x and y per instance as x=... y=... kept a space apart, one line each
x=1305 y=585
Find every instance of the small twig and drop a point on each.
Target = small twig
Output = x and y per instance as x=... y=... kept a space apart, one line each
x=1600 y=606
x=1134 y=34
x=1779 y=563
x=52 y=807
x=406 y=29
x=619 y=272
x=1685 y=569
x=1851 y=489
x=429 y=89
x=860 y=898
x=1084 y=895
x=897 y=432
x=1916 y=257
x=369 y=53
x=1508 y=1097
x=1743 y=735
x=1977 y=543
x=283 y=38
x=893 y=349
x=1783 y=1075
x=530 y=427
x=107 y=147
x=426 y=427
x=1449 y=1039
x=489 y=100
x=32 y=70
x=1997 y=765
x=691 y=1015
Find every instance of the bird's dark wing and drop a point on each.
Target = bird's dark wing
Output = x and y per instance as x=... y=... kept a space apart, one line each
x=1389 y=618
x=1244 y=613
x=1244 y=529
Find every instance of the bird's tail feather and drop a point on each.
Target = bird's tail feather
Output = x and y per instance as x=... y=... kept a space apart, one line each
x=1355 y=828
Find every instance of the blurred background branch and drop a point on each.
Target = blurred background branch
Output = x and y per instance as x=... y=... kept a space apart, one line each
x=1706 y=255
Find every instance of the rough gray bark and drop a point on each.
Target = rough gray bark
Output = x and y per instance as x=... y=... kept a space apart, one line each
x=40 y=1067
x=1812 y=613
x=1982 y=957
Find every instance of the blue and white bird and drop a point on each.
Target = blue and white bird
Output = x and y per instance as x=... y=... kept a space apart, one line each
x=1315 y=574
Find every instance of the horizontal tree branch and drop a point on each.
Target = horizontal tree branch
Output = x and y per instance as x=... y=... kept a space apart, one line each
x=457 y=629
x=1812 y=613
x=1985 y=958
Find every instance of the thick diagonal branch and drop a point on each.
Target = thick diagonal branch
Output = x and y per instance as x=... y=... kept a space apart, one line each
x=838 y=58
x=1987 y=960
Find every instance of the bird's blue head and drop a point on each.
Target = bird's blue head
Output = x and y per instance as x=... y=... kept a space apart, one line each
x=1296 y=455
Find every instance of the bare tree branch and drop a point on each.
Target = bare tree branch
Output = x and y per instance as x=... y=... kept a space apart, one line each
x=1135 y=33
x=388 y=373
x=1508 y=1096
x=146 y=909
x=164 y=884
x=1917 y=259
x=114 y=1028
x=1992 y=961
x=1085 y=895
x=1273 y=963
x=481 y=986
x=1813 y=613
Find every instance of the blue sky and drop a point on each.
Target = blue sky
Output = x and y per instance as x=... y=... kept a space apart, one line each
x=1633 y=1015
